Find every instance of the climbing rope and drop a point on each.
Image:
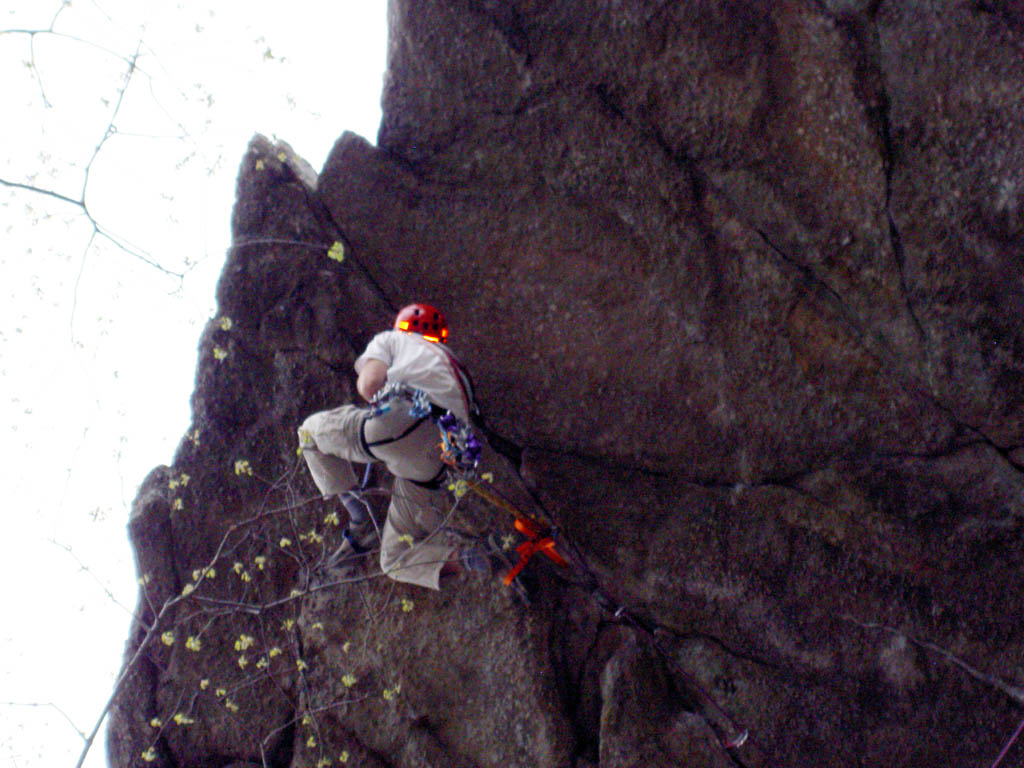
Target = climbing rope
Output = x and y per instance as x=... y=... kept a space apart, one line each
x=539 y=538
x=461 y=451
x=542 y=538
x=1009 y=744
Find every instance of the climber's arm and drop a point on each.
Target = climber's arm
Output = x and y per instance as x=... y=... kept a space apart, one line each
x=372 y=376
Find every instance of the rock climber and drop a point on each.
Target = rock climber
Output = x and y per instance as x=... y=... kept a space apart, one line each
x=398 y=368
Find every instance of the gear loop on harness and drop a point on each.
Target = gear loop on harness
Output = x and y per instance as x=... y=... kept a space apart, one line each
x=384 y=400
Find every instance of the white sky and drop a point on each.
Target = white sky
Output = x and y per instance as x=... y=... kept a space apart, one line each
x=97 y=349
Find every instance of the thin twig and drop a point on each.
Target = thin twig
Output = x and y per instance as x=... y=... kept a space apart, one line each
x=82 y=566
x=44 y=704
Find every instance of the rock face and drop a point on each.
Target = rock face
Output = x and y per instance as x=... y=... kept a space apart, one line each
x=742 y=288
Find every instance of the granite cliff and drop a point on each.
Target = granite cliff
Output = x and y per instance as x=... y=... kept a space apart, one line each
x=742 y=288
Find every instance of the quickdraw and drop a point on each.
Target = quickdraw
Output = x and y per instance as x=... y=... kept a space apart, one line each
x=460 y=448
x=538 y=539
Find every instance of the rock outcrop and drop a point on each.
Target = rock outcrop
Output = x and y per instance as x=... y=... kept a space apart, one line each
x=742 y=288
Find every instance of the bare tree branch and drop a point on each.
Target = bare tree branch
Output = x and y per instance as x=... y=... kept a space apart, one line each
x=109 y=132
x=46 y=192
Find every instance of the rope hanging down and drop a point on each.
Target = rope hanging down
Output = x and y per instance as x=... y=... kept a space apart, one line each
x=731 y=735
x=461 y=451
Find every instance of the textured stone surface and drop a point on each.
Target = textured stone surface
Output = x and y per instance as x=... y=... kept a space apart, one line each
x=742 y=288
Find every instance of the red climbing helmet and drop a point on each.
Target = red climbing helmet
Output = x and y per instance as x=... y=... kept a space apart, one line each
x=424 y=320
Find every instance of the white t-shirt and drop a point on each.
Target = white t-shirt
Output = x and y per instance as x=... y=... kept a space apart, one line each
x=419 y=363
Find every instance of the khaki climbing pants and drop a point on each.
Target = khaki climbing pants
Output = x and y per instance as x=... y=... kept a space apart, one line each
x=413 y=545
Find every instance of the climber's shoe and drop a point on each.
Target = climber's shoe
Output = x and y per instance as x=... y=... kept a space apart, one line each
x=355 y=540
